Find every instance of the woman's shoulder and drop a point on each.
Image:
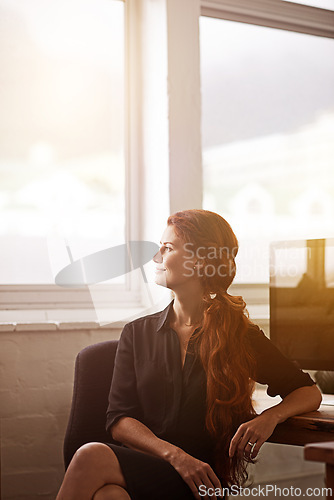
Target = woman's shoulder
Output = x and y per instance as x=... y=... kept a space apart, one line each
x=255 y=336
x=254 y=330
x=151 y=322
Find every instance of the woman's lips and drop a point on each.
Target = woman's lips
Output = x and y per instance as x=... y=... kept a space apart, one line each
x=159 y=269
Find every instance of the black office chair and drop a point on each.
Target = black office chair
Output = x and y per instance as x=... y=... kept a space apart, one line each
x=93 y=372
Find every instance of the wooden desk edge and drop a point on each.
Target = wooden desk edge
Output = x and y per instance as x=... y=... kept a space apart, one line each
x=312 y=427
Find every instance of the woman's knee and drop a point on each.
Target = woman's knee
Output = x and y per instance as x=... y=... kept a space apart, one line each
x=92 y=455
x=97 y=459
x=111 y=491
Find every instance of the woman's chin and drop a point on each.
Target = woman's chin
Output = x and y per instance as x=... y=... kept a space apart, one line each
x=161 y=281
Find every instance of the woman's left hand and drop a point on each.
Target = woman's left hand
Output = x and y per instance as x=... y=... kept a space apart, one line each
x=251 y=435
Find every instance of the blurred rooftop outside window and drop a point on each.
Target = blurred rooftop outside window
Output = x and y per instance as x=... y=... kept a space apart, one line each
x=268 y=136
x=62 y=162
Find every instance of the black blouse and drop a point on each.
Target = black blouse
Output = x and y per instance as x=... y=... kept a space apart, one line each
x=150 y=385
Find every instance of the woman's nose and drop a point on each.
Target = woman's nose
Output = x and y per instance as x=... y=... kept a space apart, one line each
x=157 y=258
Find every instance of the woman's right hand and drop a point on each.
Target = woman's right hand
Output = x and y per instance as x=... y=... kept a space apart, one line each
x=195 y=473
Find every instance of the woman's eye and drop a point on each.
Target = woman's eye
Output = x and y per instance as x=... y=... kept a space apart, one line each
x=168 y=249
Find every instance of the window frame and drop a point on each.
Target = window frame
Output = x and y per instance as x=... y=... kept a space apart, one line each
x=50 y=297
x=273 y=14
x=277 y=14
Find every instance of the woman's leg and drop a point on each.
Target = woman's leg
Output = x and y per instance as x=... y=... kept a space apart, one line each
x=93 y=466
x=111 y=492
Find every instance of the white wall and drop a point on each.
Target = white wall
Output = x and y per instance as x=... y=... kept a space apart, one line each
x=36 y=381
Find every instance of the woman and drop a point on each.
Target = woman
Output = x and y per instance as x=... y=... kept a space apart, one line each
x=181 y=396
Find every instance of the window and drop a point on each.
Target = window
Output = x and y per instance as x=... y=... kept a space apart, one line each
x=267 y=131
x=62 y=142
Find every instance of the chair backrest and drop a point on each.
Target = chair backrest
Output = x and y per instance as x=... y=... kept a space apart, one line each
x=93 y=372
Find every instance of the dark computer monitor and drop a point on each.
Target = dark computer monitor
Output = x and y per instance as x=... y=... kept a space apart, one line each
x=302 y=301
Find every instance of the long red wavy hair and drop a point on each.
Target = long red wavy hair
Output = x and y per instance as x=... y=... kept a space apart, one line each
x=223 y=348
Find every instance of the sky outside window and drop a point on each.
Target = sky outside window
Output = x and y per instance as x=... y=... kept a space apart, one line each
x=267 y=132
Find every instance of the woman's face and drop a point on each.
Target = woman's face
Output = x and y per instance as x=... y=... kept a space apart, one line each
x=174 y=265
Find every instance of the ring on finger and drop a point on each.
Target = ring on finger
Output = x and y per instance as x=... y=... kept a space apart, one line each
x=252 y=446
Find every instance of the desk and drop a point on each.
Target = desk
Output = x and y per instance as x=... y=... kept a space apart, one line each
x=313 y=427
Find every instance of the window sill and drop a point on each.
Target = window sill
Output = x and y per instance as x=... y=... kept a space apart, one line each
x=25 y=321
x=58 y=326
x=69 y=319
x=76 y=319
x=258 y=312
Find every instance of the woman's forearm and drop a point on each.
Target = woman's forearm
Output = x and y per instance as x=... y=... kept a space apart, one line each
x=251 y=435
x=136 y=435
x=194 y=472
x=301 y=400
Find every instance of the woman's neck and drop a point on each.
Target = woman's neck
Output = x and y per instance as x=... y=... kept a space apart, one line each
x=187 y=310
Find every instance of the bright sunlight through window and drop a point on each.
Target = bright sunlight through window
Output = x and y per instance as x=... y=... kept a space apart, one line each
x=61 y=134
x=267 y=129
